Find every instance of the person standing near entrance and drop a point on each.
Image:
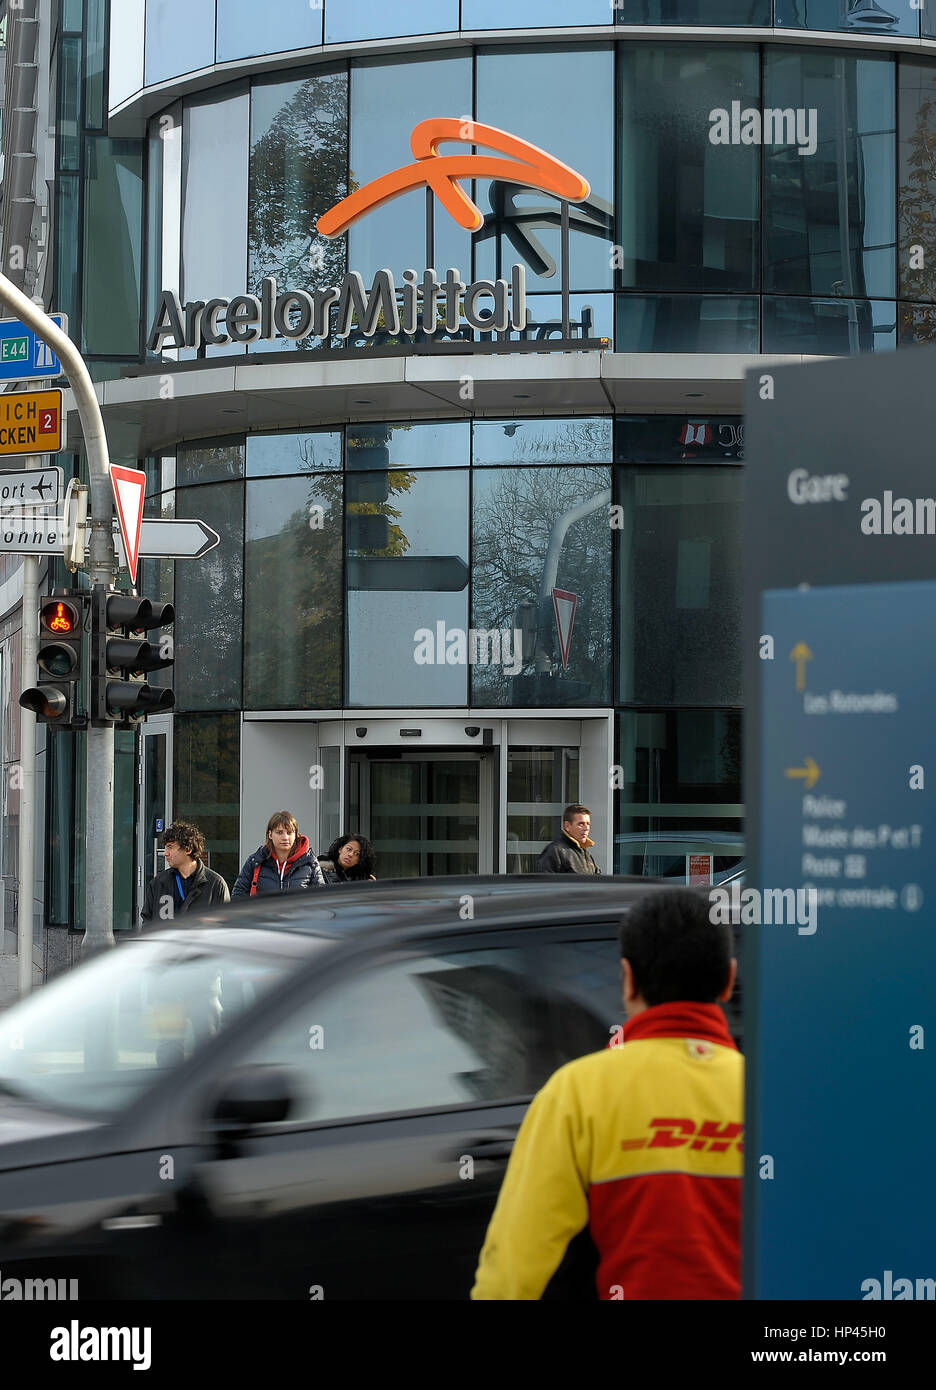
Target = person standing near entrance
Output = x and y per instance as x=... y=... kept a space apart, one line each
x=349 y=859
x=568 y=853
x=185 y=882
x=283 y=862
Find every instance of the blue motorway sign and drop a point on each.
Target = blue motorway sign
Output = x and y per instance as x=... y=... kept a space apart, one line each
x=23 y=356
x=844 y=1127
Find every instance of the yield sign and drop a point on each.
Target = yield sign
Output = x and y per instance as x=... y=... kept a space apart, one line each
x=128 y=485
x=564 y=605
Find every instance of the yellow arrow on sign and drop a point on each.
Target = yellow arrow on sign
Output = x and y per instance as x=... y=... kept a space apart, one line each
x=810 y=772
x=801 y=654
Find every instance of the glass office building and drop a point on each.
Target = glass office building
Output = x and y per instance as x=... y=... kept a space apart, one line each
x=389 y=503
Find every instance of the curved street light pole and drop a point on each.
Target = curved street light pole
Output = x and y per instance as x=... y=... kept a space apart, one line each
x=99 y=832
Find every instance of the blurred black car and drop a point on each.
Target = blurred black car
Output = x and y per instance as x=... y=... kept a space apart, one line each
x=307 y=1098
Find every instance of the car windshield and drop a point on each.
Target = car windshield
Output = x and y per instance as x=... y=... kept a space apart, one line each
x=98 y=1037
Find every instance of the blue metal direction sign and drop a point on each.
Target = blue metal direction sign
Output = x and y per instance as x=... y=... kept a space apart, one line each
x=24 y=356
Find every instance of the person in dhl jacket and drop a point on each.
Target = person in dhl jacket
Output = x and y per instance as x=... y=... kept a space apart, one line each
x=640 y=1142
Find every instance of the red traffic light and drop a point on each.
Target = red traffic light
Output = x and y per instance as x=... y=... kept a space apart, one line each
x=59 y=616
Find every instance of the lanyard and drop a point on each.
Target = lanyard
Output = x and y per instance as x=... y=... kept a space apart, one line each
x=179 y=882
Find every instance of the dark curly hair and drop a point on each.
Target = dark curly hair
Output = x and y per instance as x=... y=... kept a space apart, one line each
x=366 y=865
x=187 y=837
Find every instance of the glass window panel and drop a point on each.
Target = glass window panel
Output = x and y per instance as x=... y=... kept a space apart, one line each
x=916 y=189
x=462 y=1027
x=71 y=15
x=387 y=101
x=829 y=217
x=329 y=797
x=850 y=16
x=687 y=323
x=927 y=20
x=66 y=250
x=113 y=246
x=396 y=518
x=541 y=96
x=298 y=169
x=180 y=37
x=206 y=764
x=154 y=220
x=534 y=14
x=676 y=438
x=286 y=24
x=214 y=195
x=126 y=43
x=209 y=597
x=292 y=578
x=516 y=514
x=271 y=454
x=829 y=326
x=688 y=214
x=95 y=29
x=210 y=461
x=431 y=445
x=590 y=316
x=917 y=323
x=679 y=578
x=700 y=12
x=69 y=102
x=541 y=782
x=541 y=441
x=681 y=792
x=384 y=19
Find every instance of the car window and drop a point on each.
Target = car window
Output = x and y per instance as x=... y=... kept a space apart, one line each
x=409 y=1034
x=576 y=986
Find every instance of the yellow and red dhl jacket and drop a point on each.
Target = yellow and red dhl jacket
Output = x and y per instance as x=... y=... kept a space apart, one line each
x=641 y=1142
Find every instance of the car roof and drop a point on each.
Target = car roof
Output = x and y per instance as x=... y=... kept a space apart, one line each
x=411 y=907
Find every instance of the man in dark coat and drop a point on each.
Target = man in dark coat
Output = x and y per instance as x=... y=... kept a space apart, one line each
x=185 y=883
x=283 y=862
x=568 y=854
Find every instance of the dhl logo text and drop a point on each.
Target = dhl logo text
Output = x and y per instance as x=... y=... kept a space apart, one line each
x=677 y=1134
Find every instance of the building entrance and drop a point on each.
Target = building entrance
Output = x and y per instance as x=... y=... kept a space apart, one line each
x=426 y=813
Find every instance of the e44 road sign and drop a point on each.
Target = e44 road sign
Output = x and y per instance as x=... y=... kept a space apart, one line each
x=31 y=422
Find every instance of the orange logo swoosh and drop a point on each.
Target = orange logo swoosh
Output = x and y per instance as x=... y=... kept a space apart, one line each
x=441 y=172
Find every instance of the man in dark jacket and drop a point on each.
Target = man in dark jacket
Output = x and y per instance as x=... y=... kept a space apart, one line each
x=283 y=862
x=568 y=854
x=185 y=883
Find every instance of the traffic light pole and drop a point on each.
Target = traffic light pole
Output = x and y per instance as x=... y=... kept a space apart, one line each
x=27 y=790
x=99 y=835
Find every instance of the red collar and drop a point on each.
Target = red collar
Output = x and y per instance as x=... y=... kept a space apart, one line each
x=681 y=1019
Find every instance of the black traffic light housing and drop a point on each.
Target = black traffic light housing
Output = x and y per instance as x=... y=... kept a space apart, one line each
x=121 y=657
x=54 y=697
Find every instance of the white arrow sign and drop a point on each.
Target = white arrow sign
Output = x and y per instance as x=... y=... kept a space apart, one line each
x=173 y=540
x=36 y=487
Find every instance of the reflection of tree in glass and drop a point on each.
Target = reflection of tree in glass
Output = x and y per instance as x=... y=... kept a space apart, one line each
x=292 y=630
x=398 y=481
x=514 y=512
x=299 y=169
x=916 y=213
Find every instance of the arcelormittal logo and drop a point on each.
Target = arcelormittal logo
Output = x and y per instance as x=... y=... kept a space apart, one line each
x=530 y=166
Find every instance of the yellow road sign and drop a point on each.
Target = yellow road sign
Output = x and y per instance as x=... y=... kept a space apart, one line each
x=31 y=422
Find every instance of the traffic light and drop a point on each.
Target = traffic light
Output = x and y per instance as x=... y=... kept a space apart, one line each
x=121 y=657
x=54 y=699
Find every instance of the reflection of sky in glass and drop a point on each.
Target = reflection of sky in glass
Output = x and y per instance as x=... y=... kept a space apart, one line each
x=286 y=24
x=270 y=454
x=387 y=101
x=179 y=37
x=430 y=445
x=383 y=19
x=272 y=506
x=381 y=646
x=542 y=441
x=533 y=14
x=564 y=104
x=215 y=175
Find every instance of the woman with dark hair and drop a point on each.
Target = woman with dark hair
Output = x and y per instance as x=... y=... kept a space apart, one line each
x=283 y=862
x=349 y=859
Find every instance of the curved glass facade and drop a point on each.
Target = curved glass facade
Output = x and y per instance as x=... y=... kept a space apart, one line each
x=744 y=198
x=182 y=36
